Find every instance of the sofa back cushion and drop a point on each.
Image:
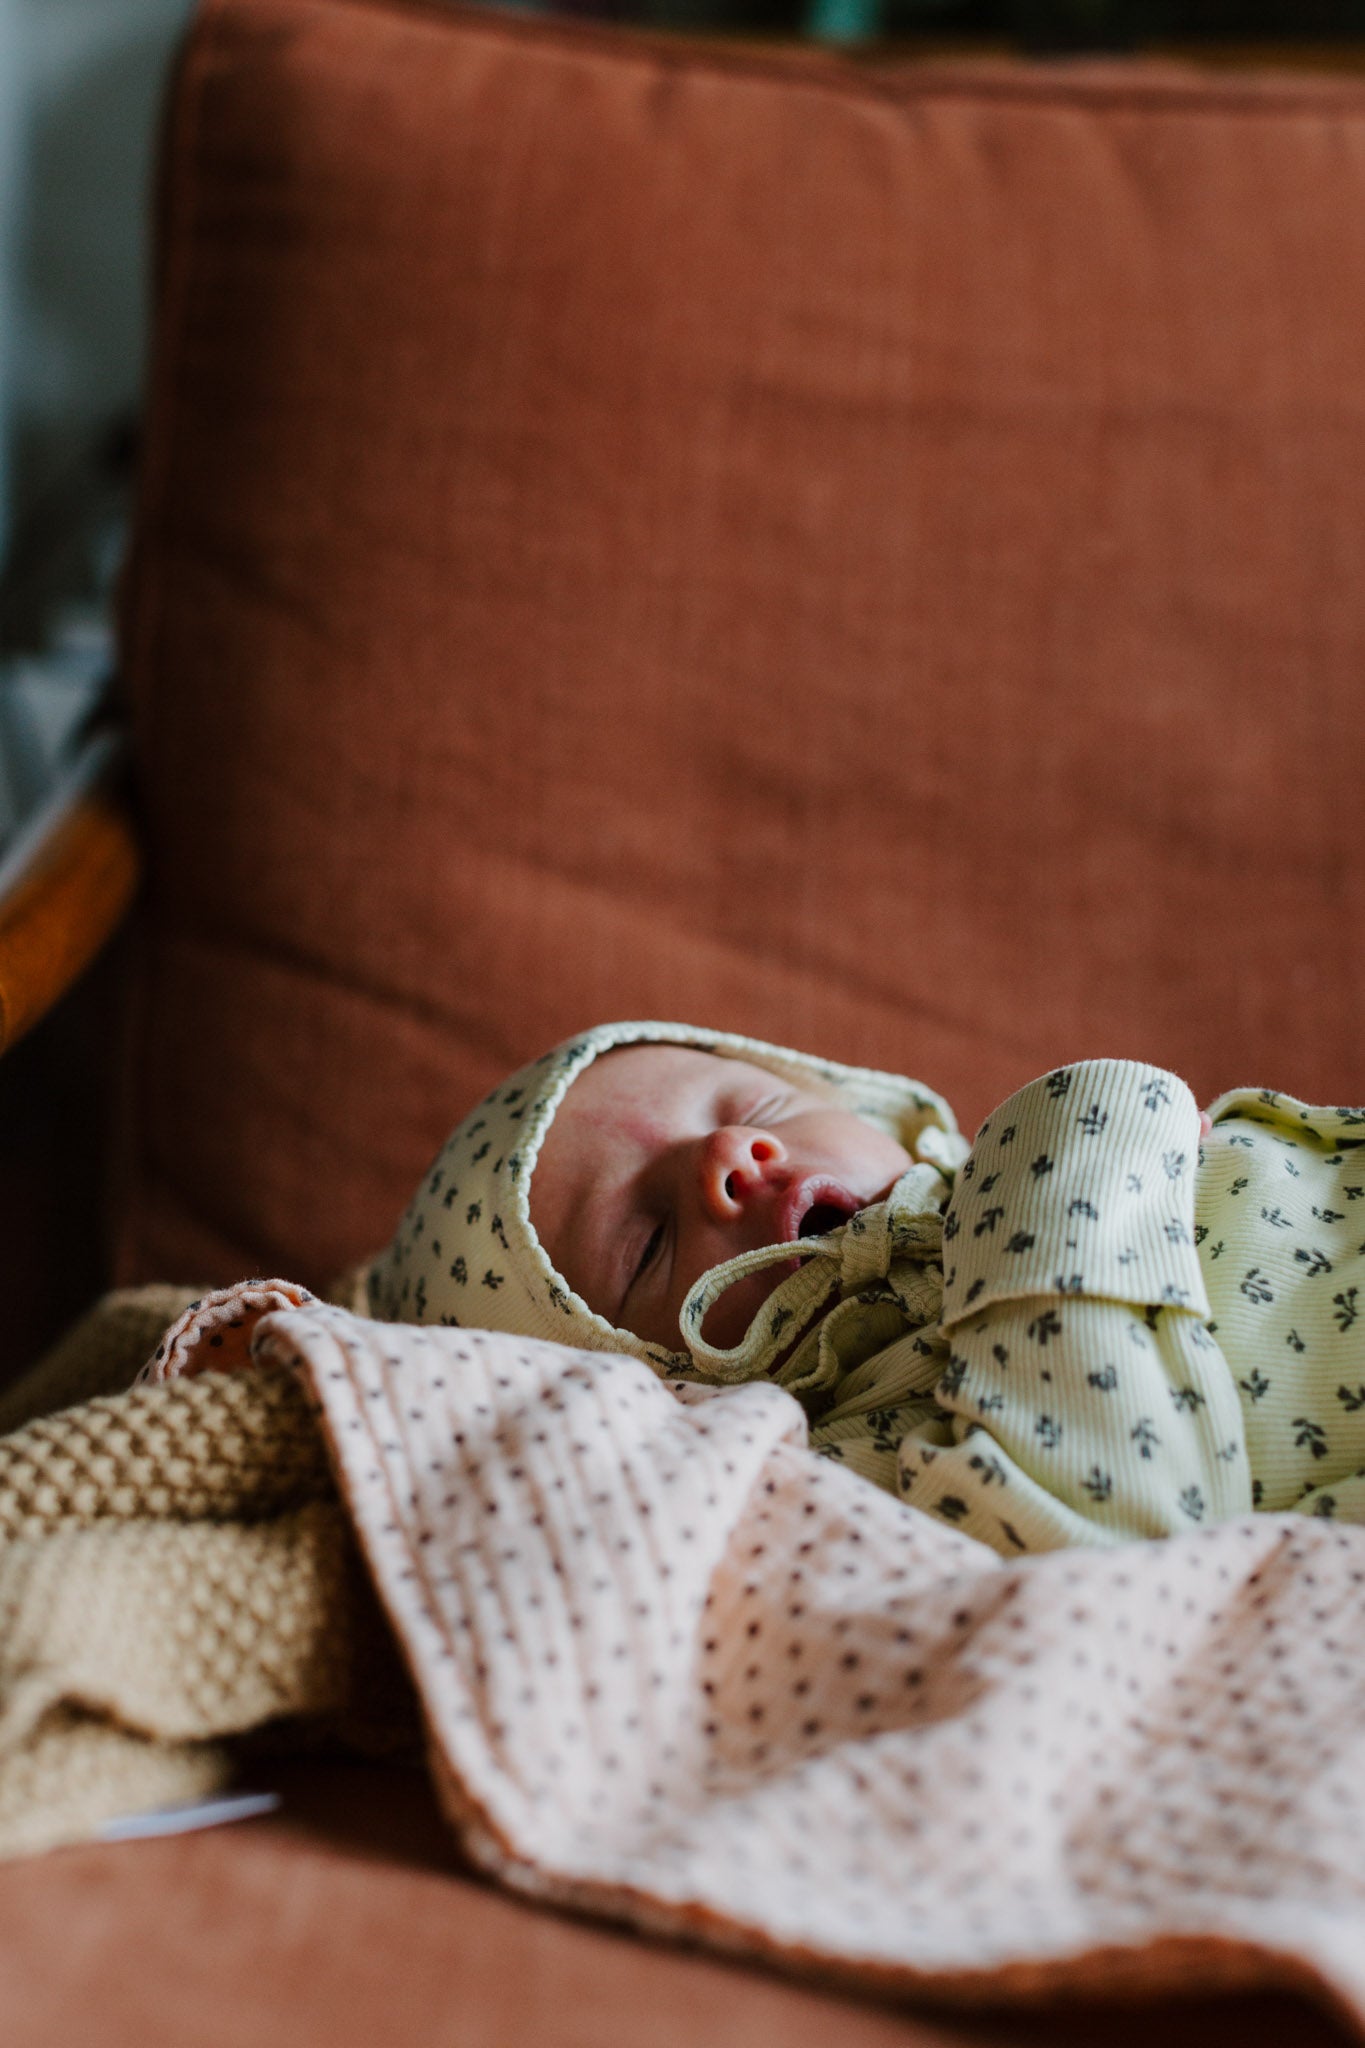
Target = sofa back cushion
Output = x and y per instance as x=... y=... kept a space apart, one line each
x=868 y=558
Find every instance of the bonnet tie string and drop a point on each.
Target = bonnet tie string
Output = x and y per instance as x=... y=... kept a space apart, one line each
x=888 y=1256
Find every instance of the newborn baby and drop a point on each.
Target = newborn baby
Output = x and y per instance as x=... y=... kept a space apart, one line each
x=665 y=1161
x=1091 y=1326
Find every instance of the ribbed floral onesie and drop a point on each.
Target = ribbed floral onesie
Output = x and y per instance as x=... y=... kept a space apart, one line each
x=1100 y=1330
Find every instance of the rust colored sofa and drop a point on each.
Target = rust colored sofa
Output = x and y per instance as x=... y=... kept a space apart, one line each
x=870 y=557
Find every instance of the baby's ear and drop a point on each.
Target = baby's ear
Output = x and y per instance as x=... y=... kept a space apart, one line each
x=214 y=1334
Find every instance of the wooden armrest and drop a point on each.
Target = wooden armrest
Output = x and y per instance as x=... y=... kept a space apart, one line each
x=64 y=886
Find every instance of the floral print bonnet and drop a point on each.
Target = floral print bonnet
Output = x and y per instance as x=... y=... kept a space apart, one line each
x=466 y=1253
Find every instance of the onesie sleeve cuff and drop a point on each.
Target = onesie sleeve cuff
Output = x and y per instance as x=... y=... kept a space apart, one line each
x=1081 y=1183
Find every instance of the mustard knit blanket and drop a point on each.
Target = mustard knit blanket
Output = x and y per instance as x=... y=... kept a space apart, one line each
x=175 y=1570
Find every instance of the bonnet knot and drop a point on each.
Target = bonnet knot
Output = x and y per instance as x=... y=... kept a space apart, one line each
x=907 y=1225
x=905 y=1230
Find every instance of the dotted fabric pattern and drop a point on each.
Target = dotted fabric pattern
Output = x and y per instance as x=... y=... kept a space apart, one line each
x=213 y=1334
x=678 y=1671
x=1140 y=1332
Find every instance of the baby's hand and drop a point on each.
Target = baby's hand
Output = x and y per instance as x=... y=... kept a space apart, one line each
x=1205 y=1125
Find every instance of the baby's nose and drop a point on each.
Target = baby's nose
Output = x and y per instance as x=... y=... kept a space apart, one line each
x=737 y=1169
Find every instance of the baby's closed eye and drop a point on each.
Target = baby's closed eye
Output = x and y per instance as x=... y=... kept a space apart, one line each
x=649 y=1254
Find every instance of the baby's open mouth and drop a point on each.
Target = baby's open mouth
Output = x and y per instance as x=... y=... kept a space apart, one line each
x=816 y=1205
x=819 y=1218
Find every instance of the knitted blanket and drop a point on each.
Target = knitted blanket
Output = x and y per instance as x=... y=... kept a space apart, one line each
x=175 y=1571
x=678 y=1671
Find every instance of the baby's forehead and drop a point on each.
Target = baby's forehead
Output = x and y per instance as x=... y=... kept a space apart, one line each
x=629 y=1079
x=655 y=1059
x=637 y=1079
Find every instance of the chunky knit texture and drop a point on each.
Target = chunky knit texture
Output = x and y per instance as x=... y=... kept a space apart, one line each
x=100 y=1354
x=175 y=1571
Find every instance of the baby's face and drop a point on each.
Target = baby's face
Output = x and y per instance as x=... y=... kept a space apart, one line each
x=663 y=1161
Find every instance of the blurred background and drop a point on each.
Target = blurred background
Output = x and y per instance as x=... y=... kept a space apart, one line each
x=80 y=82
x=80 y=86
